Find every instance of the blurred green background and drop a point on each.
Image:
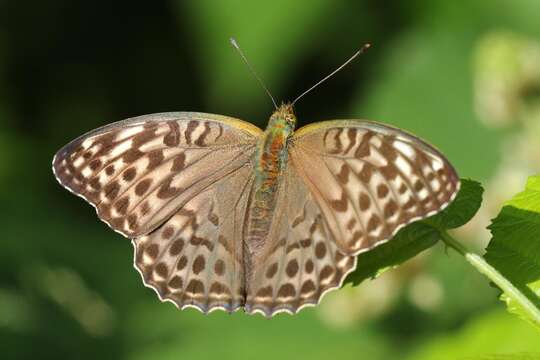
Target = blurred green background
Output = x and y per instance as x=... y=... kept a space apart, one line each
x=463 y=75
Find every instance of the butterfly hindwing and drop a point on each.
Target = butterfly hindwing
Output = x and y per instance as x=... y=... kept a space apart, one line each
x=140 y=171
x=300 y=260
x=370 y=180
x=196 y=257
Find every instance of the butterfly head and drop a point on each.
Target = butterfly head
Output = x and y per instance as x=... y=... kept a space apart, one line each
x=283 y=118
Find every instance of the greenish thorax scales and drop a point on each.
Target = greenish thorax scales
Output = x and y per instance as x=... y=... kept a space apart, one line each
x=271 y=156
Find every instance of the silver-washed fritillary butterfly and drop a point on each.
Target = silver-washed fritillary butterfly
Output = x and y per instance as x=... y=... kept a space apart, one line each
x=223 y=215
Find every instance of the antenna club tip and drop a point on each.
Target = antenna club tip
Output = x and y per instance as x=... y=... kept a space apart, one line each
x=367 y=45
x=233 y=42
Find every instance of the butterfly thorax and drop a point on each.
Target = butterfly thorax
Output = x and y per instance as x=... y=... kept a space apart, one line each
x=271 y=156
x=269 y=161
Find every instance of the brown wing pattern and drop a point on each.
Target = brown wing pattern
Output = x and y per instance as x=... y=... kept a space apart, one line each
x=139 y=172
x=370 y=180
x=349 y=186
x=195 y=259
x=176 y=184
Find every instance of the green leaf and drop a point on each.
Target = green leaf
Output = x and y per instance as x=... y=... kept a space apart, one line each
x=491 y=335
x=418 y=236
x=462 y=209
x=514 y=249
x=516 y=308
x=407 y=243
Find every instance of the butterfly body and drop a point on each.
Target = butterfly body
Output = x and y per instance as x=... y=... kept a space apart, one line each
x=225 y=216
x=269 y=162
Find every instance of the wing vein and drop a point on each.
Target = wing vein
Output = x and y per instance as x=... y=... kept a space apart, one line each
x=194 y=184
x=344 y=188
x=316 y=188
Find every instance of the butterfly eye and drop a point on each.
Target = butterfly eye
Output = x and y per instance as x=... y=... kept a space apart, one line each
x=291 y=121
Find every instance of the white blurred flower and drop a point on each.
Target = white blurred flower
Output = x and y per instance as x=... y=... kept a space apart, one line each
x=507 y=77
x=506 y=67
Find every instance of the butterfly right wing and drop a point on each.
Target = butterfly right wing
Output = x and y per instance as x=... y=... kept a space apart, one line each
x=139 y=172
x=177 y=184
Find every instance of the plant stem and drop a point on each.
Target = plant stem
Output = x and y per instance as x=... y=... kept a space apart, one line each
x=495 y=276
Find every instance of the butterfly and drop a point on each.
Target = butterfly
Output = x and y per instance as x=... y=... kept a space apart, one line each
x=224 y=215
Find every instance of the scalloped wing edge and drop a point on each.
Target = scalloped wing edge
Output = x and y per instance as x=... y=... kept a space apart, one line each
x=283 y=309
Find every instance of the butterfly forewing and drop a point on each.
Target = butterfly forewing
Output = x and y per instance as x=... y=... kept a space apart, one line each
x=370 y=180
x=140 y=171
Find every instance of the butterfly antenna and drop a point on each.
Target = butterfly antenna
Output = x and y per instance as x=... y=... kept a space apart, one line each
x=237 y=47
x=362 y=49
